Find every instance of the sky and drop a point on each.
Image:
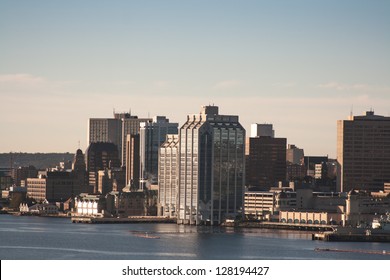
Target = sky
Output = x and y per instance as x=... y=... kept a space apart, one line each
x=300 y=65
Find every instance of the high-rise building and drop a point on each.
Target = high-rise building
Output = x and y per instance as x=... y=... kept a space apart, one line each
x=211 y=167
x=266 y=161
x=132 y=161
x=167 y=176
x=105 y=130
x=115 y=130
x=363 y=152
x=99 y=157
x=258 y=130
x=294 y=155
x=152 y=135
x=130 y=125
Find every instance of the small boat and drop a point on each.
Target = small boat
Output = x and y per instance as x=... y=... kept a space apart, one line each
x=146 y=235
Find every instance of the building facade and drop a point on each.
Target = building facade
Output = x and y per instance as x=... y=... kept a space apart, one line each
x=363 y=152
x=57 y=186
x=100 y=156
x=132 y=161
x=115 y=130
x=152 y=135
x=168 y=176
x=265 y=130
x=266 y=161
x=211 y=167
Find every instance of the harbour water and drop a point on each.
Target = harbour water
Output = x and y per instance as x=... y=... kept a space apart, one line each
x=43 y=238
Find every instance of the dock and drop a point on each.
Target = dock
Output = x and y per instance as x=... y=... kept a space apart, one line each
x=128 y=220
x=288 y=226
x=367 y=236
x=383 y=252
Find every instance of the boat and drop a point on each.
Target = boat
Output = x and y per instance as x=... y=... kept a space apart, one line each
x=145 y=235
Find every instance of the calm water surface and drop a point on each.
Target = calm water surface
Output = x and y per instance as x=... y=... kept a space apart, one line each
x=42 y=238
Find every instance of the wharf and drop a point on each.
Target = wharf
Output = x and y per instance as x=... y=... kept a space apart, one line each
x=352 y=237
x=383 y=252
x=135 y=219
x=287 y=226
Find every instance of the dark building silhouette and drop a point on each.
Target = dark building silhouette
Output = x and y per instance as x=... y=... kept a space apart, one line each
x=79 y=170
x=100 y=156
x=266 y=161
x=20 y=174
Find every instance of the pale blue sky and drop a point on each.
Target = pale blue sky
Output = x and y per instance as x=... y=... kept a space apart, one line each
x=300 y=65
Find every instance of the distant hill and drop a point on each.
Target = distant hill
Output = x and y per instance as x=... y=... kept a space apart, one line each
x=39 y=160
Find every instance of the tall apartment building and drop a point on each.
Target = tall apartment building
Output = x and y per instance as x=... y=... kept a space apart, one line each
x=152 y=135
x=363 y=152
x=168 y=176
x=115 y=130
x=211 y=167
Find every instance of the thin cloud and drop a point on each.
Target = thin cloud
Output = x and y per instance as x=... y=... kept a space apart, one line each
x=227 y=84
x=21 y=79
x=162 y=84
x=285 y=85
x=354 y=87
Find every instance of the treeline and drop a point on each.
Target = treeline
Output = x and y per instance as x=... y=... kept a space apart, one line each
x=39 y=160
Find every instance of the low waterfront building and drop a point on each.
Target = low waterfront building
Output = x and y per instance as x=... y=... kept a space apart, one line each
x=44 y=208
x=362 y=207
x=23 y=208
x=89 y=205
x=126 y=204
x=303 y=217
x=262 y=204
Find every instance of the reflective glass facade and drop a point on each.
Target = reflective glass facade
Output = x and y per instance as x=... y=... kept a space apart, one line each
x=211 y=168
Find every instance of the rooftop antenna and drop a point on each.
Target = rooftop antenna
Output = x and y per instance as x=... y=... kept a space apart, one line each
x=351 y=113
x=79 y=144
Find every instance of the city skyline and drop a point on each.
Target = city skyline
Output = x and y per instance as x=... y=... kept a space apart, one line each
x=298 y=65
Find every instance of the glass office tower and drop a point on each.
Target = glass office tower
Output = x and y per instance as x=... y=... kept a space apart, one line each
x=211 y=168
